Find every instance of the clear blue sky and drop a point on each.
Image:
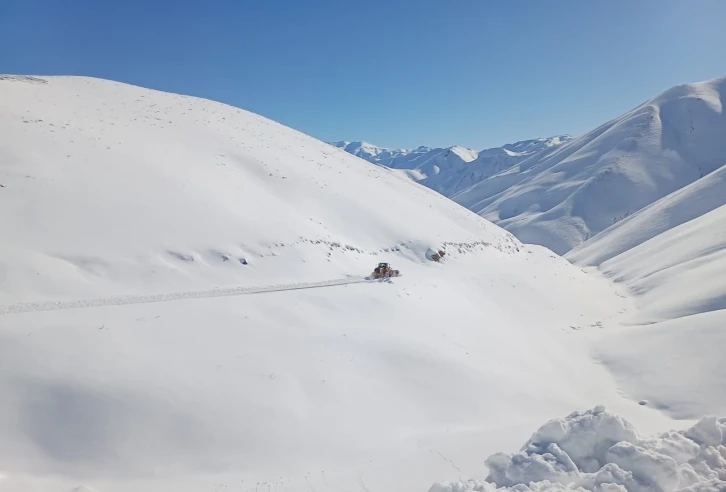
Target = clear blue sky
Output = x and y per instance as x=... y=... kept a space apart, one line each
x=397 y=73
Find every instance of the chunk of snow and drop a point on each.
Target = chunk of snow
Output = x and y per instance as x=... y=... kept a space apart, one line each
x=599 y=451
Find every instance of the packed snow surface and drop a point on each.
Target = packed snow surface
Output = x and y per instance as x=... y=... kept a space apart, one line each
x=599 y=451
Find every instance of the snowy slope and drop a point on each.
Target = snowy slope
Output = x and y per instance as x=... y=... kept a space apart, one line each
x=692 y=254
x=679 y=278
x=671 y=256
x=183 y=307
x=688 y=203
x=452 y=169
x=99 y=191
x=561 y=198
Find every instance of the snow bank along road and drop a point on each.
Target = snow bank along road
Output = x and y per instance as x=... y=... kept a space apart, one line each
x=31 y=307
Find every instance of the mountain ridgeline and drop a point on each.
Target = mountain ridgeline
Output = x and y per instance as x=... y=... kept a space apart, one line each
x=561 y=191
x=452 y=169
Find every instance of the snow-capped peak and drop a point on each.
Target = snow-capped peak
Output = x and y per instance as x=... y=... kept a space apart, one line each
x=569 y=192
x=449 y=170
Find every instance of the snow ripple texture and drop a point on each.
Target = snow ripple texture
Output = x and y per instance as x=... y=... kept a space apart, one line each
x=31 y=307
x=599 y=451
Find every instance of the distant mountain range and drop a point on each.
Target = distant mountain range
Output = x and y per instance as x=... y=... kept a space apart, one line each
x=450 y=170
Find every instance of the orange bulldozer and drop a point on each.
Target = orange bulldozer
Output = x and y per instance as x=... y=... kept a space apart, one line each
x=384 y=270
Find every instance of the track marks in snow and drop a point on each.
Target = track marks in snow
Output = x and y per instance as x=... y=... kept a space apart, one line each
x=32 y=307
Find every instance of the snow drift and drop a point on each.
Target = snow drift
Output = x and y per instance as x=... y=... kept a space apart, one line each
x=597 y=450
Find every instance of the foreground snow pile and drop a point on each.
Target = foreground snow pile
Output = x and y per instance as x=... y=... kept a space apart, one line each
x=599 y=451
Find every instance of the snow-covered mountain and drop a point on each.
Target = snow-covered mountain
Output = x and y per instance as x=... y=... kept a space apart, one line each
x=558 y=192
x=408 y=158
x=452 y=169
x=562 y=197
x=184 y=306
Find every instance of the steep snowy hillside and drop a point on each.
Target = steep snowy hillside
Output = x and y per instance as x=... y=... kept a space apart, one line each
x=561 y=198
x=688 y=203
x=449 y=170
x=183 y=307
x=672 y=255
x=99 y=191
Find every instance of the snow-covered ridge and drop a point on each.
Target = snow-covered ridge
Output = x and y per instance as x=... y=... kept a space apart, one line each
x=451 y=169
x=561 y=197
x=561 y=191
x=683 y=205
x=680 y=240
x=599 y=451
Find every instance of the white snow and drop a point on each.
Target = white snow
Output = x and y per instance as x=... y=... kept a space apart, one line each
x=599 y=451
x=269 y=364
x=562 y=196
x=646 y=194
x=672 y=364
x=109 y=185
x=687 y=203
x=670 y=255
x=679 y=272
x=450 y=170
